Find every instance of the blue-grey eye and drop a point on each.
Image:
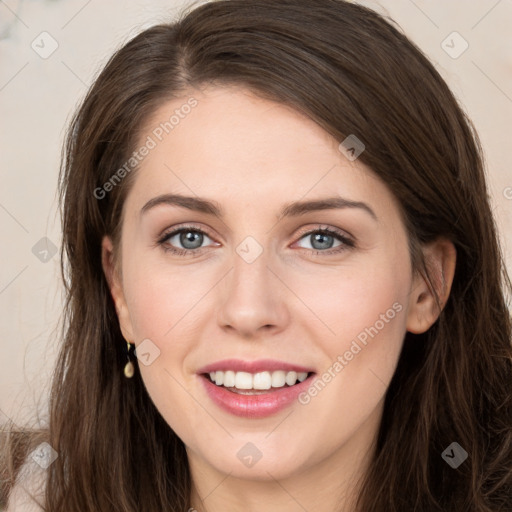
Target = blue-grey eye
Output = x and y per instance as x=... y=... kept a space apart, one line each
x=321 y=241
x=190 y=239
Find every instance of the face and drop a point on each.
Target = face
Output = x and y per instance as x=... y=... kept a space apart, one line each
x=261 y=286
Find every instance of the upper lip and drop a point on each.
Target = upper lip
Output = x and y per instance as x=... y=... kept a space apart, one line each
x=260 y=365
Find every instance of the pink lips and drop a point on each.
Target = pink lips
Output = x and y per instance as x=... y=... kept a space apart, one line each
x=253 y=406
x=237 y=365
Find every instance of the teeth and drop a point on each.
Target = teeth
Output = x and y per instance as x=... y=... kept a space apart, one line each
x=228 y=379
x=243 y=380
x=261 y=380
x=278 y=379
x=291 y=378
x=302 y=376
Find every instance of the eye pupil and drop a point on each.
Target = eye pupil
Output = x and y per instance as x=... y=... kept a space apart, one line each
x=320 y=237
x=191 y=236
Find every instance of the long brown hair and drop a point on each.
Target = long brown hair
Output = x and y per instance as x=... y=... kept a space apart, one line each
x=352 y=72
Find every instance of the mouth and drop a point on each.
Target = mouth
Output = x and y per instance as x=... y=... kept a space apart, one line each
x=245 y=383
x=258 y=393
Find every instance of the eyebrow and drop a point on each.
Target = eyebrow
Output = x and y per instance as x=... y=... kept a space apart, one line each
x=293 y=209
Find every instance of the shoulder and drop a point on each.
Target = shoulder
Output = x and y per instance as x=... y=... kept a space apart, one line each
x=27 y=494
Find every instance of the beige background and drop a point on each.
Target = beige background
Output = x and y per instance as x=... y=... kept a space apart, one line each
x=37 y=97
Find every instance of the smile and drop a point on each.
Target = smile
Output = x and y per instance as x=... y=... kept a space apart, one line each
x=257 y=393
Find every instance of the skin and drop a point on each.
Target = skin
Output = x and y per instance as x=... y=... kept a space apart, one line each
x=253 y=156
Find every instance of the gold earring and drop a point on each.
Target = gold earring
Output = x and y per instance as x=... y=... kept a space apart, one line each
x=129 y=369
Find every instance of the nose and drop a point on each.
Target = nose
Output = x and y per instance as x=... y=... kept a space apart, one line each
x=253 y=298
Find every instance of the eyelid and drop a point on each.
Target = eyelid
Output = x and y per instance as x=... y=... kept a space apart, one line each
x=324 y=227
x=176 y=229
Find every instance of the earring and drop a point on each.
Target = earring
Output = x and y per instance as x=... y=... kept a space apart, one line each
x=129 y=369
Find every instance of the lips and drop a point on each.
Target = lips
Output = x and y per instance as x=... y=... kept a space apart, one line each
x=262 y=365
x=251 y=403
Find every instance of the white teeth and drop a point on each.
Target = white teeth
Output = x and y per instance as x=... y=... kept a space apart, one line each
x=243 y=380
x=278 y=379
x=291 y=378
x=302 y=376
x=229 y=379
x=260 y=381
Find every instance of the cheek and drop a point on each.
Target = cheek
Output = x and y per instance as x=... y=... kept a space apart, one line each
x=365 y=311
x=368 y=295
x=164 y=310
x=161 y=299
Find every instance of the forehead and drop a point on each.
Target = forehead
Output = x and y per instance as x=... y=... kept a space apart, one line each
x=240 y=149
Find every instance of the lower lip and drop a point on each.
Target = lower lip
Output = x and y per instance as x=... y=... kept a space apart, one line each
x=254 y=406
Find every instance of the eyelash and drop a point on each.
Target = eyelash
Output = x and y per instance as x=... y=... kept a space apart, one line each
x=346 y=244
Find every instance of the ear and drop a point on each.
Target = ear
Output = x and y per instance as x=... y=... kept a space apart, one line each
x=114 y=280
x=423 y=311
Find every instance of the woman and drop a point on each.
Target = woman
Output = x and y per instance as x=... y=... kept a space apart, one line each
x=282 y=207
